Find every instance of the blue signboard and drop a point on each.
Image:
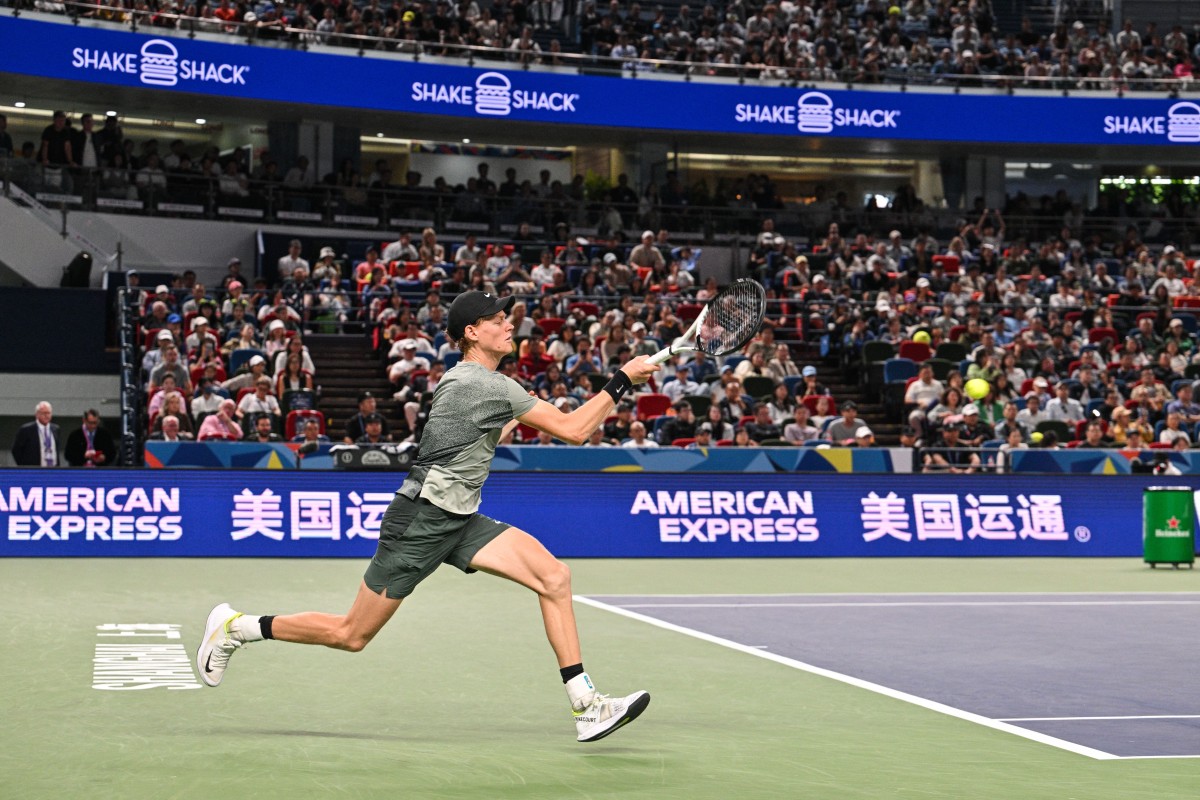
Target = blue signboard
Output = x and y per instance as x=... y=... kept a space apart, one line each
x=307 y=514
x=494 y=94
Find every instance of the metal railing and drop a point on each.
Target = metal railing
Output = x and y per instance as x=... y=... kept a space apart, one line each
x=455 y=214
x=278 y=34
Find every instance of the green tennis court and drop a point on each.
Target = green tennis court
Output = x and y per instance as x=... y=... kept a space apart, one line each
x=459 y=698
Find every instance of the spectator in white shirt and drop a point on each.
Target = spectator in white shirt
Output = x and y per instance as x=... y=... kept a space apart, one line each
x=1064 y=407
x=683 y=385
x=545 y=272
x=261 y=401
x=637 y=437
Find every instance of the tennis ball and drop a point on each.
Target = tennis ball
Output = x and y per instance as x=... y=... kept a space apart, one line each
x=977 y=388
x=922 y=337
x=1036 y=437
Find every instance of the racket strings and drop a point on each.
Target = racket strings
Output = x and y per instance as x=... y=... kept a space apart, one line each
x=734 y=316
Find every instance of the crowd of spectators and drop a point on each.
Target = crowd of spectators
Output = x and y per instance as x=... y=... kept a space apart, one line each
x=222 y=364
x=1062 y=330
x=862 y=41
x=1076 y=342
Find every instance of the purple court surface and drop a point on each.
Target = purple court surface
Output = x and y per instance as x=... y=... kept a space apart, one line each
x=1105 y=675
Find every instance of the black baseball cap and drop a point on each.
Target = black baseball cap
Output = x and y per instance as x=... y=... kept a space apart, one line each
x=469 y=307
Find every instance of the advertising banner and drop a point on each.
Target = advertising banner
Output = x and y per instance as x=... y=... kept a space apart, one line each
x=308 y=514
x=499 y=92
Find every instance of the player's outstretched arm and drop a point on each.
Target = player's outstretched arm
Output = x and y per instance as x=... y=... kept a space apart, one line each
x=576 y=427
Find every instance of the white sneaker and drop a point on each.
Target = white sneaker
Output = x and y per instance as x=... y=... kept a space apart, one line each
x=605 y=714
x=217 y=645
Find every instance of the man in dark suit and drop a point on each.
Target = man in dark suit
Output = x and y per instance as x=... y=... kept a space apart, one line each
x=37 y=443
x=91 y=445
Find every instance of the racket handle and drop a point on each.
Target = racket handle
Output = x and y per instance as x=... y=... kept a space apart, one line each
x=660 y=357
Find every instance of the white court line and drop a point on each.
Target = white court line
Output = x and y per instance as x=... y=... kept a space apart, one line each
x=910 y=594
x=1144 y=716
x=908 y=603
x=932 y=705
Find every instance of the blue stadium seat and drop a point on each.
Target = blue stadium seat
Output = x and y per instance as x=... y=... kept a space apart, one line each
x=452 y=358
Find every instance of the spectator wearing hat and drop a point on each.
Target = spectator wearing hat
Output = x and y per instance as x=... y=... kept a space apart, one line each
x=640 y=345
x=951 y=455
x=811 y=387
x=286 y=266
x=201 y=333
x=681 y=385
x=408 y=362
x=154 y=356
x=647 y=256
x=373 y=427
x=618 y=429
x=974 y=431
x=704 y=434
x=221 y=425
x=356 y=426
x=233 y=272
x=680 y=426
x=863 y=437
x=326 y=268
x=844 y=429
x=617 y=276
x=255 y=368
x=236 y=298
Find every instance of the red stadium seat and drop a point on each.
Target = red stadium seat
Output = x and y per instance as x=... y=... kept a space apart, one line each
x=551 y=325
x=652 y=405
x=917 y=351
x=949 y=262
x=1097 y=335
x=811 y=400
x=682 y=442
x=293 y=417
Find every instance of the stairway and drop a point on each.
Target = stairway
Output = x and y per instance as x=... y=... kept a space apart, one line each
x=870 y=411
x=346 y=367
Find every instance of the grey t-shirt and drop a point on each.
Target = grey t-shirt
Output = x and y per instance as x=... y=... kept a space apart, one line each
x=470 y=407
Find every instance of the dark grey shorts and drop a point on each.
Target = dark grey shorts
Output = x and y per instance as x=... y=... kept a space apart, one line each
x=416 y=537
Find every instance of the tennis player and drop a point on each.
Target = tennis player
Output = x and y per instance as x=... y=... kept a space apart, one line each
x=434 y=518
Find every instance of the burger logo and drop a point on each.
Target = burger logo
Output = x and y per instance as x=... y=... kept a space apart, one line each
x=1183 y=123
x=492 y=94
x=159 y=63
x=814 y=113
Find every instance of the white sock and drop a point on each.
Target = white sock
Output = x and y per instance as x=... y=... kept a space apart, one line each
x=580 y=691
x=246 y=629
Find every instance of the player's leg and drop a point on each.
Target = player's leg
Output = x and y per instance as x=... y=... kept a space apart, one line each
x=227 y=630
x=392 y=574
x=519 y=557
x=350 y=631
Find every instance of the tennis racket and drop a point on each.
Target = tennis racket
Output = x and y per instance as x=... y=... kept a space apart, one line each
x=725 y=323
